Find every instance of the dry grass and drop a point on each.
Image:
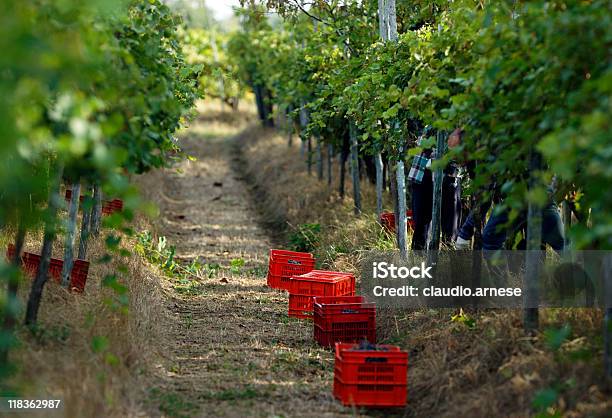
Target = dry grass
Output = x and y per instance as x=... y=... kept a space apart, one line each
x=491 y=370
x=60 y=361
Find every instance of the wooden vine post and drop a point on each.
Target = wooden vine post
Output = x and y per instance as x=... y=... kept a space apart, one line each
x=354 y=154
x=566 y=216
x=394 y=194
x=290 y=125
x=476 y=213
x=259 y=92
x=96 y=211
x=342 y=157
x=303 y=124
x=388 y=32
x=533 y=259
x=401 y=223
x=355 y=167
x=378 y=161
x=319 y=158
x=330 y=162
x=71 y=233
x=318 y=148
x=85 y=229
x=438 y=177
x=45 y=254
x=309 y=154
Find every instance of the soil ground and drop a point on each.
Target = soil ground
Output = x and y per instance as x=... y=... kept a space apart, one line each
x=230 y=349
x=227 y=347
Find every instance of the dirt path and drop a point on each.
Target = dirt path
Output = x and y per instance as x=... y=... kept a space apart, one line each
x=231 y=350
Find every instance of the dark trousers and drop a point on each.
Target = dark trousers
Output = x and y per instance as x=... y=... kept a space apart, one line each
x=496 y=231
x=451 y=208
x=422 y=205
x=466 y=231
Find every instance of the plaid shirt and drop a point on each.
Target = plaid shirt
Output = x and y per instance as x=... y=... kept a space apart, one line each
x=417 y=170
x=419 y=163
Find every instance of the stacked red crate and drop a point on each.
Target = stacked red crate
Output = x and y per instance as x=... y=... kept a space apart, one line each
x=283 y=264
x=304 y=287
x=370 y=375
x=31 y=262
x=347 y=319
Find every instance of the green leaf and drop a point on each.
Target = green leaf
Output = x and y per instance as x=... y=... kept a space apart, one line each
x=545 y=398
x=555 y=337
x=99 y=344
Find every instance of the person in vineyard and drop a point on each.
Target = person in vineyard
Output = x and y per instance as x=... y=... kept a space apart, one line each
x=421 y=184
x=466 y=232
x=482 y=203
x=497 y=229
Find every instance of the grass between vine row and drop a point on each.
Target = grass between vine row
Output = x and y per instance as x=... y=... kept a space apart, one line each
x=481 y=363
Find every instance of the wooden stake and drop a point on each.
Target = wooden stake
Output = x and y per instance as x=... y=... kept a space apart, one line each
x=438 y=177
x=378 y=162
x=401 y=206
x=71 y=233
x=85 y=227
x=330 y=161
x=533 y=259
x=45 y=254
x=319 y=158
x=355 y=167
x=96 y=211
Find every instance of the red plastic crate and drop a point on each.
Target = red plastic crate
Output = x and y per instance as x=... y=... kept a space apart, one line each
x=31 y=263
x=288 y=253
x=370 y=395
x=387 y=220
x=374 y=378
x=303 y=288
x=283 y=264
x=111 y=206
x=311 y=283
x=108 y=207
x=347 y=319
